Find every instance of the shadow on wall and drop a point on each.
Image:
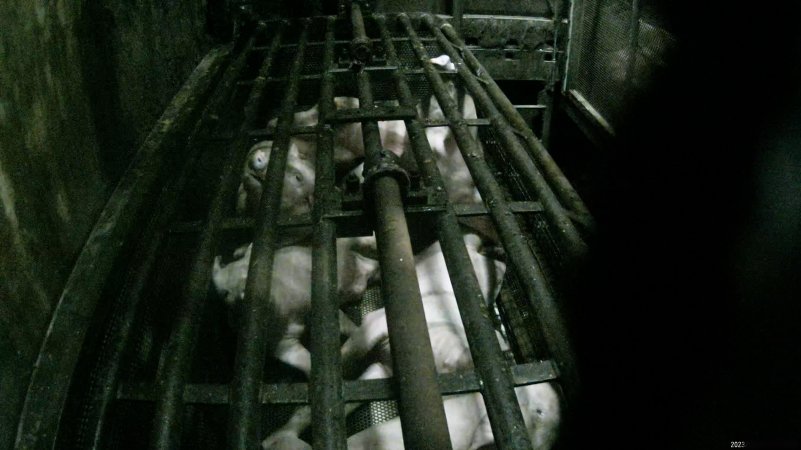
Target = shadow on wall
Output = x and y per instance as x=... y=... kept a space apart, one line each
x=115 y=139
x=687 y=332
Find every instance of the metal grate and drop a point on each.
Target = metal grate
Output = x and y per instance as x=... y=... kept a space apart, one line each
x=175 y=368
x=614 y=53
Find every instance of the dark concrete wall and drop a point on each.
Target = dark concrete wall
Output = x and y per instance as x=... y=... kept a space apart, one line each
x=81 y=83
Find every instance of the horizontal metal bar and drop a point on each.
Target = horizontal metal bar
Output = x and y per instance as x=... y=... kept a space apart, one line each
x=378 y=70
x=428 y=123
x=268 y=133
x=72 y=315
x=526 y=107
x=460 y=209
x=479 y=209
x=353 y=391
x=339 y=42
x=386 y=113
x=372 y=114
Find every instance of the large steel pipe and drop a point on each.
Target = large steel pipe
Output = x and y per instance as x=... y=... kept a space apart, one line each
x=496 y=378
x=420 y=404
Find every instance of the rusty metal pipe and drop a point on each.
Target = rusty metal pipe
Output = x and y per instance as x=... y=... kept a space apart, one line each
x=361 y=48
x=498 y=385
x=325 y=390
x=420 y=404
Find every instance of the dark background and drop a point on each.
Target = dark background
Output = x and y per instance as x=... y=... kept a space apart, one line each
x=686 y=319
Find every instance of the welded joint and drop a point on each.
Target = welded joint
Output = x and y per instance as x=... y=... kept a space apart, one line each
x=380 y=164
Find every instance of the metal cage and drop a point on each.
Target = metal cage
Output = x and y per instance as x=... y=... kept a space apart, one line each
x=141 y=354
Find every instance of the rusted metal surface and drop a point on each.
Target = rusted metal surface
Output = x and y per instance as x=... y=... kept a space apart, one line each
x=41 y=414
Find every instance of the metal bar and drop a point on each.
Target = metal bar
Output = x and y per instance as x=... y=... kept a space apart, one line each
x=143 y=261
x=175 y=365
x=525 y=264
x=560 y=35
x=265 y=133
x=420 y=406
x=461 y=210
x=373 y=114
x=72 y=315
x=254 y=337
x=498 y=386
x=458 y=13
x=336 y=41
x=327 y=403
x=353 y=391
x=444 y=123
x=553 y=174
x=361 y=49
x=311 y=77
x=561 y=225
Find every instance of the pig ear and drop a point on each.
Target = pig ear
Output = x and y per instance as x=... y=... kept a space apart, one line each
x=243 y=251
x=217 y=266
x=305 y=147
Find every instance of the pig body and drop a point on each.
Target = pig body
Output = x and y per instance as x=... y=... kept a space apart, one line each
x=290 y=289
x=466 y=414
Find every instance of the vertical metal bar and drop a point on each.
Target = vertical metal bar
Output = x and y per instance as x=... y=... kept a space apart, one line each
x=325 y=391
x=554 y=76
x=567 y=195
x=254 y=335
x=144 y=260
x=458 y=13
x=525 y=264
x=360 y=46
x=420 y=404
x=506 y=419
x=174 y=371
